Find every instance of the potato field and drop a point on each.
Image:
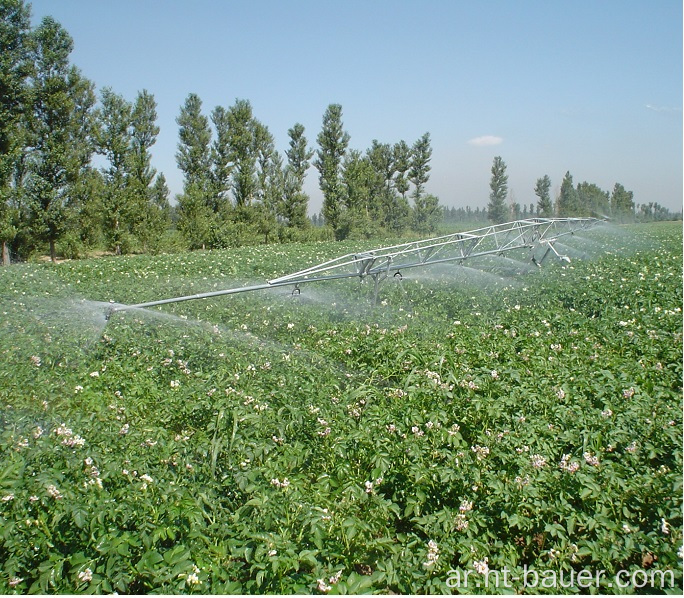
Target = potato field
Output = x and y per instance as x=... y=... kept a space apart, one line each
x=489 y=418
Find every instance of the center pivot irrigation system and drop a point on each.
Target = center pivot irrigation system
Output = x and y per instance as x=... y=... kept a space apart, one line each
x=537 y=235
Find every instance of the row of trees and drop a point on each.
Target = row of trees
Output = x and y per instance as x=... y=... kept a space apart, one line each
x=585 y=199
x=237 y=184
x=50 y=129
x=237 y=188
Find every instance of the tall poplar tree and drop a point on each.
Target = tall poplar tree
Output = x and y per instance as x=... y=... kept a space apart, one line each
x=242 y=153
x=295 y=201
x=419 y=171
x=15 y=68
x=622 y=203
x=113 y=141
x=194 y=160
x=220 y=159
x=332 y=142
x=148 y=223
x=568 y=204
x=542 y=191
x=60 y=132
x=496 y=209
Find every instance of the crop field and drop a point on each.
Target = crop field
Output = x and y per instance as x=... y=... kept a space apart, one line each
x=480 y=419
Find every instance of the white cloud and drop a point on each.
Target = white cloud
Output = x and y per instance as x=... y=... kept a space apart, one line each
x=667 y=109
x=486 y=140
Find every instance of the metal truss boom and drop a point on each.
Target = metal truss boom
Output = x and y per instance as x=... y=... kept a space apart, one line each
x=497 y=239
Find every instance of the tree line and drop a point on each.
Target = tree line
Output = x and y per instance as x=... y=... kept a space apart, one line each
x=237 y=188
x=585 y=199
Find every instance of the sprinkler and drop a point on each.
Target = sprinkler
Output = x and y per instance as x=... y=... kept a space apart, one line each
x=379 y=264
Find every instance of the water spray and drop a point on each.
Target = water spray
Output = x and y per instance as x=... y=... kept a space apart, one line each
x=538 y=235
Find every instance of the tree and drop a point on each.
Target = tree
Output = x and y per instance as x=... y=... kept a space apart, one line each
x=332 y=142
x=622 y=203
x=426 y=214
x=542 y=191
x=568 y=204
x=15 y=68
x=295 y=201
x=402 y=163
x=243 y=152
x=592 y=200
x=496 y=209
x=193 y=157
x=419 y=171
x=113 y=140
x=194 y=160
x=382 y=196
x=220 y=159
x=61 y=126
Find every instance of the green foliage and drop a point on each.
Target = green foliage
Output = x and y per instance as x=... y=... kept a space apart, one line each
x=419 y=171
x=542 y=191
x=568 y=201
x=332 y=142
x=60 y=128
x=295 y=201
x=496 y=209
x=622 y=203
x=259 y=444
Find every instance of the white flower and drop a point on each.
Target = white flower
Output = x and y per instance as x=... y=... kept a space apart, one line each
x=86 y=576
x=15 y=581
x=482 y=567
x=35 y=360
x=607 y=412
x=494 y=374
x=432 y=555
x=538 y=461
x=124 y=429
x=466 y=505
x=480 y=451
x=8 y=497
x=272 y=552
x=54 y=492
x=369 y=487
x=567 y=465
x=664 y=526
x=461 y=522
x=591 y=459
x=95 y=374
x=335 y=578
x=322 y=586
x=175 y=383
x=192 y=579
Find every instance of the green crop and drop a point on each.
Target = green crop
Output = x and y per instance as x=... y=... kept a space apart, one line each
x=267 y=443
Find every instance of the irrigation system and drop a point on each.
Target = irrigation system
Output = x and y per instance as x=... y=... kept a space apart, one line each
x=537 y=235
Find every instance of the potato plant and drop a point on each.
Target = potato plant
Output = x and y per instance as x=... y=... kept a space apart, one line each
x=320 y=444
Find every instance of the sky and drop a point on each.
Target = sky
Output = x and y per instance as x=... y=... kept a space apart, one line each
x=590 y=87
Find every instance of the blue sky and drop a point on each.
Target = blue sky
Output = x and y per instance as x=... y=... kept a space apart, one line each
x=593 y=87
